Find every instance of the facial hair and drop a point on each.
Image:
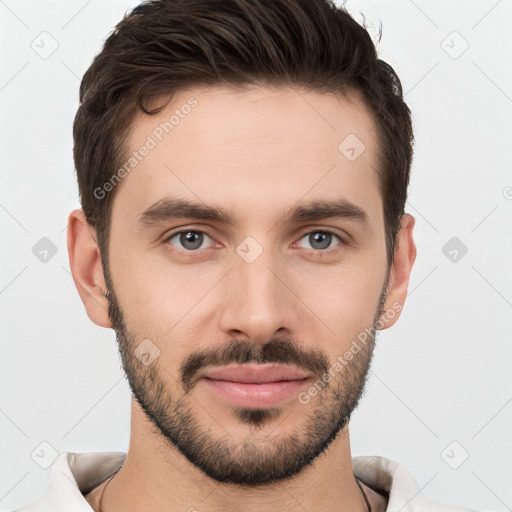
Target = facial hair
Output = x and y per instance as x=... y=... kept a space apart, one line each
x=244 y=463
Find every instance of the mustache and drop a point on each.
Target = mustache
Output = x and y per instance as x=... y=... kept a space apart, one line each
x=277 y=350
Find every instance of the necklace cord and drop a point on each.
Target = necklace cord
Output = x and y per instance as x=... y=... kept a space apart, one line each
x=368 y=506
x=100 y=509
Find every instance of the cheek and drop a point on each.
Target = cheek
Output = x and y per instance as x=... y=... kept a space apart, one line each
x=345 y=299
x=162 y=301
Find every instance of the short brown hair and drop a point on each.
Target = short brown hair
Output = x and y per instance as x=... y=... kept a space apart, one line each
x=164 y=46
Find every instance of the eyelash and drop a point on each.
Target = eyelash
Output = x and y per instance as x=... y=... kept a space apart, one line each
x=317 y=251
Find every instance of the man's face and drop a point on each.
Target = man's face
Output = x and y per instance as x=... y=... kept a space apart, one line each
x=265 y=288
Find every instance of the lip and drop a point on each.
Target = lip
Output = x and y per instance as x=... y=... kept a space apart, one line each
x=255 y=374
x=255 y=386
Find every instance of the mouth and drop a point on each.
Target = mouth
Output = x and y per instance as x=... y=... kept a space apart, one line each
x=255 y=386
x=255 y=373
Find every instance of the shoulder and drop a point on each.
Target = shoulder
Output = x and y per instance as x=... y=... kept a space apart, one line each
x=392 y=480
x=72 y=476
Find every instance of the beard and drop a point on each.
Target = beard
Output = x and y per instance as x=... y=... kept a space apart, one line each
x=249 y=462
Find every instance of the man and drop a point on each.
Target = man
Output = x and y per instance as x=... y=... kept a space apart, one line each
x=243 y=169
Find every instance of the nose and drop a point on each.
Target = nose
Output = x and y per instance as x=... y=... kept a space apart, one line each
x=259 y=300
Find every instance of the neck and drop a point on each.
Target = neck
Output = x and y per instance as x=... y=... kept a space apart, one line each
x=157 y=477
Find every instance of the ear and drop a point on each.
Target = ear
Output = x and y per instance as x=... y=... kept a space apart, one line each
x=85 y=263
x=405 y=255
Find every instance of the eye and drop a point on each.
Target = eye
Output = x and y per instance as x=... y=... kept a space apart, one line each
x=190 y=239
x=320 y=240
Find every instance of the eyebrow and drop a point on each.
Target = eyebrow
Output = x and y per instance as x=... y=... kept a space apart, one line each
x=175 y=208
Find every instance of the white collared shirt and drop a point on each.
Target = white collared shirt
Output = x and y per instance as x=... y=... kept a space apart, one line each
x=73 y=475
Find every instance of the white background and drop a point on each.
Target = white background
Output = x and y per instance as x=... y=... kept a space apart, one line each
x=441 y=374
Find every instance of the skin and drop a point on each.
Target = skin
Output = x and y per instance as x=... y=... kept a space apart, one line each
x=256 y=153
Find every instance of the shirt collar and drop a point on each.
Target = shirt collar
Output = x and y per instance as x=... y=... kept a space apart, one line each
x=72 y=476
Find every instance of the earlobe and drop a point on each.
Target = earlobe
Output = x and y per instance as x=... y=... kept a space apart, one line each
x=85 y=264
x=405 y=255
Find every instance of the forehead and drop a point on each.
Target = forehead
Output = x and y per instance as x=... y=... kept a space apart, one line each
x=258 y=150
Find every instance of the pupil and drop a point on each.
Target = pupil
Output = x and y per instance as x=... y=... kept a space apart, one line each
x=194 y=240
x=323 y=238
